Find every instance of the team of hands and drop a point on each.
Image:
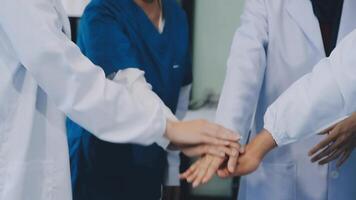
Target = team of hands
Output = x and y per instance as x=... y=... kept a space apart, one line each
x=221 y=153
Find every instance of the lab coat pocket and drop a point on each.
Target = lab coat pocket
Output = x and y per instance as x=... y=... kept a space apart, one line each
x=272 y=182
x=33 y=179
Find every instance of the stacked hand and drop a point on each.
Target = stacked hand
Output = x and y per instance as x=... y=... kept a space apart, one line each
x=200 y=137
x=339 y=143
x=245 y=161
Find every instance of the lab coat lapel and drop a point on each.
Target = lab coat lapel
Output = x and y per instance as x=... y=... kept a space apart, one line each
x=302 y=13
x=348 y=22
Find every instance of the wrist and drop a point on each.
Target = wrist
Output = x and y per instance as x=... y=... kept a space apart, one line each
x=262 y=144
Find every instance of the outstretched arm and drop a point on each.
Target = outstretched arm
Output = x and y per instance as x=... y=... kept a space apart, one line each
x=317 y=100
x=79 y=88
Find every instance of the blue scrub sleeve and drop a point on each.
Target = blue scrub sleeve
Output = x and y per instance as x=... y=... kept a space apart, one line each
x=105 y=42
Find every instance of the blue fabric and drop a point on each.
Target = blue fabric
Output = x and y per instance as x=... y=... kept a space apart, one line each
x=117 y=34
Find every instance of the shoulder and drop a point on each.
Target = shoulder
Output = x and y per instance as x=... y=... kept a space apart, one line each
x=104 y=8
x=175 y=9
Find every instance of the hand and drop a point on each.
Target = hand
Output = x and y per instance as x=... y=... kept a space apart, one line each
x=254 y=153
x=339 y=143
x=199 y=137
x=199 y=150
x=171 y=193
x=246 y=164
x=204 y=169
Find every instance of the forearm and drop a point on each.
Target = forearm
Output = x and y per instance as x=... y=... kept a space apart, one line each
x=72 y=82
x=262 y=144
x=317 y=100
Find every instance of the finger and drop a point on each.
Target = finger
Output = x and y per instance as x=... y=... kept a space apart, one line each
x=324 y=143
x=200 y=166
x=346 y=154
x=226 y=150
x=202 y=171
x=339 y=144
x=231 y=164
x=214 y=166
x=207 y=139
x=322 y=154
x=200 y=150
x=327 y=130
x=222 y=133
x=193 y=176
x=242 y=150
x=235 y=145
x=334 y=155
x=191 y=169
x=223 y=173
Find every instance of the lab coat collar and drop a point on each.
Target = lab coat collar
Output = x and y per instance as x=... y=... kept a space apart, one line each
x=302 y=13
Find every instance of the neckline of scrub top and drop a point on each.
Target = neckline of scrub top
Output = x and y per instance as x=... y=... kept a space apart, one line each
x=161 y=23
x=148 y=23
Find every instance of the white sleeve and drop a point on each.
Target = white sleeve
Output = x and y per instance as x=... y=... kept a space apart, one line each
x=72 y=82
x=245 y=70
x=318 y=99
x=172 y=171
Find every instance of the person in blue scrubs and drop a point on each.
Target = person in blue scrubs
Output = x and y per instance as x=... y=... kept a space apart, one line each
x=151 y=35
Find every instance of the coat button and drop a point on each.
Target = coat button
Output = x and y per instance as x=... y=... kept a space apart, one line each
x=334 y=174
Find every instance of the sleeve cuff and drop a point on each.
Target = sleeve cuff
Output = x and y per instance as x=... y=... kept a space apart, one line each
x=162 y=141
x=270 y=121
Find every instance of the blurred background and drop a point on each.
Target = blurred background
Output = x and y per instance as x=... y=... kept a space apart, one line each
x=212 y=26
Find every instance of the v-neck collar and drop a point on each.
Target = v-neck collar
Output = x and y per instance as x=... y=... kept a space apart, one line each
x=148 y=24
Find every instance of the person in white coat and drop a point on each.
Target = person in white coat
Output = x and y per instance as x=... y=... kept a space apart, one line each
x=314 y=103
x=45 y=77
x=277 y=43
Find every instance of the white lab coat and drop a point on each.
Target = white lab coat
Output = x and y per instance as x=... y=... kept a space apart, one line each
x=43 y=77
x=278 y=42
x=75 y=8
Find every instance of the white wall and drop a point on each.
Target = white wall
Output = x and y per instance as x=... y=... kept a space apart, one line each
x=215 y=24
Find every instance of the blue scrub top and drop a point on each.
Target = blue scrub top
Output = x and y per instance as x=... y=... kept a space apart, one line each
x=117 y=34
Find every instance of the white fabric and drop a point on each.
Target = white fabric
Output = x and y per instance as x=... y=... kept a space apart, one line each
x=327 y=95
x=278 y=42
x=43 y=77
x=75 y=8
x=161 y=23
x=172 y=173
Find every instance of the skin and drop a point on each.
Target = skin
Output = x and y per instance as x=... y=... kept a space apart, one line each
x=200 y=137
x=255 y=151
x=196 y=138
x=152 y=8
x=249 y=160
x=339 y=143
